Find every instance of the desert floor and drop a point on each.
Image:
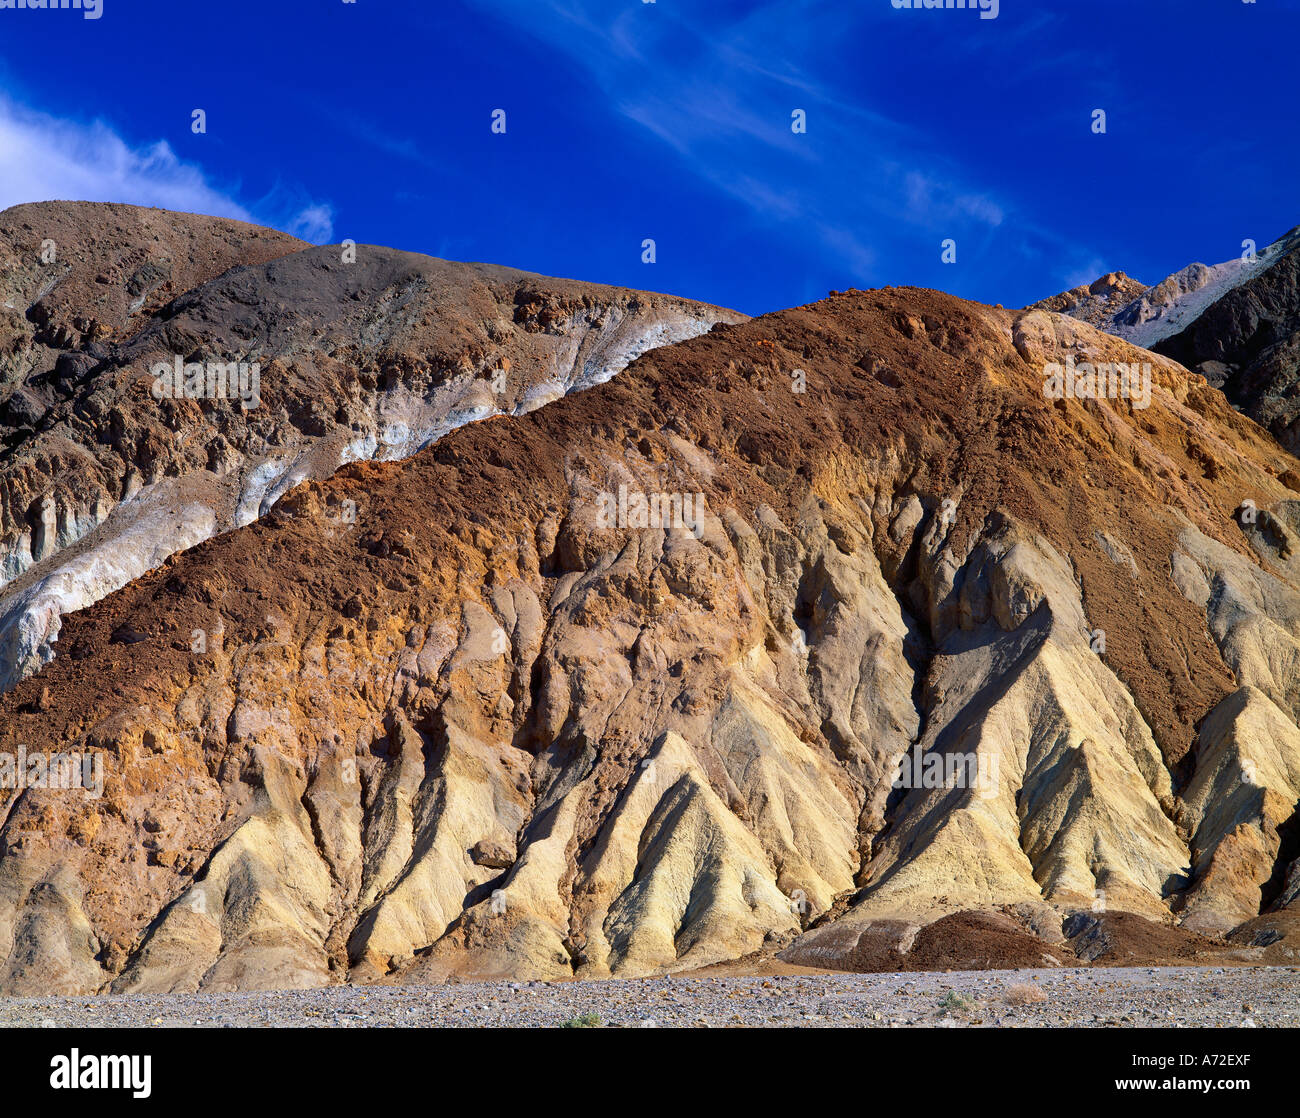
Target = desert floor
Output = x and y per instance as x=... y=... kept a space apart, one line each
x=1170 y=997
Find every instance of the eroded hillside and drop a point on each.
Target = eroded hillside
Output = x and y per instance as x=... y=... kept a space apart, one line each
x=469 y=712
x=343 y=354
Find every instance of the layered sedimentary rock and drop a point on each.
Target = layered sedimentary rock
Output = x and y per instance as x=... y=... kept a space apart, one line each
x=334 y=355
x=829 y=633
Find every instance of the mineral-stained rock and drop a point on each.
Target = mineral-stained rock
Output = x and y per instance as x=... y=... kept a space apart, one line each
x=365 y=358
x=915 y=668
x=1236 y=323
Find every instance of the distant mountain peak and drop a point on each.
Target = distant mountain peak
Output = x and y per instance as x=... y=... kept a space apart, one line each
x=1235 y=323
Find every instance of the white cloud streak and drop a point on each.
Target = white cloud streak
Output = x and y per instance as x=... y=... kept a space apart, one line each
x=47 y=158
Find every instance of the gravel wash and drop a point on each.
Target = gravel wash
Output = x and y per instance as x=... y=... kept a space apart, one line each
x=1172 y=997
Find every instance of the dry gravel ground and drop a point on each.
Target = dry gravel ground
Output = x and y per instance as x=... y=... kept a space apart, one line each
x=1174 y=997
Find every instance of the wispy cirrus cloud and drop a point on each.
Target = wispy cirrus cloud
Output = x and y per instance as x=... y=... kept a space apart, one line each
x=314 y=223
x=719 y=93
x=944 y=201
x=47 y=158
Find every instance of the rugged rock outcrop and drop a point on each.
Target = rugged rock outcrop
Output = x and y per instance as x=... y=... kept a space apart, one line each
x=323 y=356
x=1099 y=303
x=826 y=633
x=1248 y=341
x=1236 y=323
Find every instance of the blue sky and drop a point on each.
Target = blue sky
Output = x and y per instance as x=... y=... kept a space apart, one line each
x=671 y=120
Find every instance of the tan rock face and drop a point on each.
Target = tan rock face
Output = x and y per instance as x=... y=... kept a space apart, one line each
x=916 y=667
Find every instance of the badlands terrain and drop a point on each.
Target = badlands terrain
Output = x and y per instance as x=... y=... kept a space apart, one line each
x=393 y=681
